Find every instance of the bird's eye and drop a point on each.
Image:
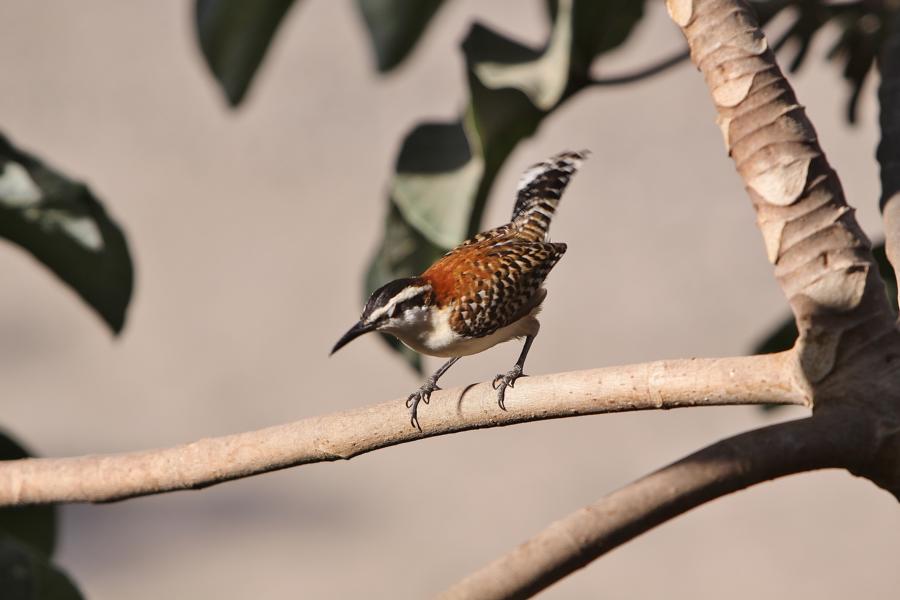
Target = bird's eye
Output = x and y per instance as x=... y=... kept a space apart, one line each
x=407 y=305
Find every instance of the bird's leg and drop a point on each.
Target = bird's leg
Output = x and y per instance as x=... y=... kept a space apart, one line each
x=423 y=394
x=504 y=380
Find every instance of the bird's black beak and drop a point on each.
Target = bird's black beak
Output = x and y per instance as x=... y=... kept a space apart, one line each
x=355 y=331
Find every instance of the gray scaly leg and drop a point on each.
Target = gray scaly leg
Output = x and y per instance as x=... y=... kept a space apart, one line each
x=423 y=394
x=504 y=380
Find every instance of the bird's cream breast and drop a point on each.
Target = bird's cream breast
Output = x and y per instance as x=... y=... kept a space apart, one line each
x=435 y=337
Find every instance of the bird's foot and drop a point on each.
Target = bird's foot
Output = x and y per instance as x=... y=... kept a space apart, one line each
x=423 y=394
x=505 y=380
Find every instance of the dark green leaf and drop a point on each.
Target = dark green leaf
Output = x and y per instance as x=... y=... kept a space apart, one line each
x=63 y=225
x=395 y=26
x=27 y=540
x=234 y=36
x=33 y=525
x=403 y=252
x=445 y=171
x=436 y=163
x=889 y=116
x=26 y=574
x=599 y=26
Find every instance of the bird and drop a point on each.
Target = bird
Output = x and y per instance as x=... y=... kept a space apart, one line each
x=487 y=290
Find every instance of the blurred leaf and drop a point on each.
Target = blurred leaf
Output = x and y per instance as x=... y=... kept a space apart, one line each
x=26 y=574
x=785 y=334
x=62 y=224
x=543 y=78
x=395 y=26
x=811 y=16
x=27 y=540
x=33 y=525
x=234 y=36
x=402 y=250
x=861 y=24
x=859 y=44
x=598 y=26
x=445 y=170
x=435 y=163
x=888 y=152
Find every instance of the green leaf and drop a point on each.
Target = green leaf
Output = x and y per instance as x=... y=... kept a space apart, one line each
x=784 y=335
x=32 y=525
x=234 y=36
x=403 y=252
x=26 y=574
x=543 y=78
x=445 y=171
x=395 y=26
x=27 y=541
x=435 y=163
x=599 y=26
x=62 y=224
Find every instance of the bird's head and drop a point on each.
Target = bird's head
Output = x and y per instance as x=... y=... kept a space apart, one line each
x=393 y=307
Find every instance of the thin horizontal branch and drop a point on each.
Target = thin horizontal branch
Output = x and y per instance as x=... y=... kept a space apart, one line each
x=722 y=468
x=765 y=379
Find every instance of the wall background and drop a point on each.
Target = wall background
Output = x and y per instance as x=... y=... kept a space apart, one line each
x=250 y=232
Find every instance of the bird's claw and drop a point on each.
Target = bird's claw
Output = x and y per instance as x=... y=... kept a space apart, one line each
x=505 y=380
x=423 y=394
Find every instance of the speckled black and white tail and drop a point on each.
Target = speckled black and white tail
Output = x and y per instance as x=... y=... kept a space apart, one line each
x=539 y=191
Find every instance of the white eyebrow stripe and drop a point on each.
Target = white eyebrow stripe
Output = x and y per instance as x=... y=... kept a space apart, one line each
x=405 y=294
x=375 y=314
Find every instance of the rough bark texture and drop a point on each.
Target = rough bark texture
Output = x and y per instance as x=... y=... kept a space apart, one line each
x=663 y=384
x=822 y=258
x=848 y=349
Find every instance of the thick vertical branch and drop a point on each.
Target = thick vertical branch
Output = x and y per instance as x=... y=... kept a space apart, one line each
x=822 y=258
x=889 y=148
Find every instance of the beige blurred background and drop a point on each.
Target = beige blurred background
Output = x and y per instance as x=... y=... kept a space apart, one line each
x=250 y=232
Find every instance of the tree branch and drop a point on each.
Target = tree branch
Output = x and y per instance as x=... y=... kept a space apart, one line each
x=668 y=62
x=822 y=258
x=889 y=148
x=848 y=347
x=722 y=468
x=766 y=379
x=645 y=72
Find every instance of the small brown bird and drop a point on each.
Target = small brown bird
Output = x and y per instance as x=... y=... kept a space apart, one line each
x=487 y=290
